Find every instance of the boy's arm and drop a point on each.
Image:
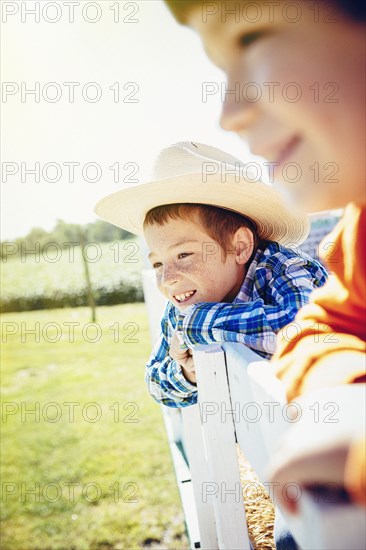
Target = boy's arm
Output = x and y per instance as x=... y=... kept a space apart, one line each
x=164 y=377
x=255 y=323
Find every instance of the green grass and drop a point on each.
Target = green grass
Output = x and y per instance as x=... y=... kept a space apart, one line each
x=125 y=448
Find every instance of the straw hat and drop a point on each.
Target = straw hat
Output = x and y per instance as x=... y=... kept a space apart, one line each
x=195 y=173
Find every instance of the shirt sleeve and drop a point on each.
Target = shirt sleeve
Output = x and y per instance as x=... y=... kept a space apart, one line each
x=165 y=380
x=255 y=323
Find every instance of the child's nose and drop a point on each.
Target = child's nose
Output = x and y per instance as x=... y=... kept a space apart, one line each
x=169 y=276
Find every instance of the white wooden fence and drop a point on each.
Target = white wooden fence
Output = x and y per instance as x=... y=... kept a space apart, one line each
x=240 y=400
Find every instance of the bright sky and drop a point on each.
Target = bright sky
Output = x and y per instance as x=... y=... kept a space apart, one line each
x=154 y=61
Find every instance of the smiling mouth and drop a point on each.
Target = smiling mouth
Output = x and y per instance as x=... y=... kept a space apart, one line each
x=184 y=296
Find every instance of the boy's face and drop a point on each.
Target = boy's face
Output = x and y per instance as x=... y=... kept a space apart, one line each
x=294 y=91
x=190 y=266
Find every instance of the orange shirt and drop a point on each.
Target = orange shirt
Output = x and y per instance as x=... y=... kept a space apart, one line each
x=325 y=344
x=334 y=321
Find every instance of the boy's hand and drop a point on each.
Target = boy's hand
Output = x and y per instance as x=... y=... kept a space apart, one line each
x=183 y=356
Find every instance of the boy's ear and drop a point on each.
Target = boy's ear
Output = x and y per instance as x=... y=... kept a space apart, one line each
x=243 y=242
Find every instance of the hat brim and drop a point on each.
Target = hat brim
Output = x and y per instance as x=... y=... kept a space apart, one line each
x=274 y=218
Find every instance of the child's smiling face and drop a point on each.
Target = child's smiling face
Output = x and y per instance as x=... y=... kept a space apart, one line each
x=300 y=76
x=191 y=267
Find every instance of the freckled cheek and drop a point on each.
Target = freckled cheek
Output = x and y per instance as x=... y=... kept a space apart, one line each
x=205 y=276
x=188 y=272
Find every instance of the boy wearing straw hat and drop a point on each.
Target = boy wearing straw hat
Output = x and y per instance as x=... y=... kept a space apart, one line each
x=219 y=244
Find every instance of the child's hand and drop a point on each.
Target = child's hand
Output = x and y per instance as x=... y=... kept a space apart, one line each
x=183 y=356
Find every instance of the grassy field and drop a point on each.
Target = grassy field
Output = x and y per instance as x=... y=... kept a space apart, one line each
x=56 y=271
x=90 y=468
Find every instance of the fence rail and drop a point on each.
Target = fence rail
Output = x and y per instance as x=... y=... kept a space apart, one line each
x=231 y=382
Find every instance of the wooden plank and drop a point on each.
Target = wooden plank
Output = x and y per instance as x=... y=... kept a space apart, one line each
x=185 y=485
x=246 y=410
x=324 y=419
x=195 y=449
x=218 y=428
x=328 y=420
x=154 y=301
x=270 y=396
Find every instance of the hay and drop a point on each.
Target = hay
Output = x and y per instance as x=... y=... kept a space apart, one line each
x=259 y=508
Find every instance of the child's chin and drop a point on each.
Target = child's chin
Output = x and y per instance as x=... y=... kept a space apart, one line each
x=184 y=306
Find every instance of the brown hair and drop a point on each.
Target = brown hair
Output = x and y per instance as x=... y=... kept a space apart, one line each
x=220 y=224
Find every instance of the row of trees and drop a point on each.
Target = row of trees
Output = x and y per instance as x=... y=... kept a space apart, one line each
x=63 y=232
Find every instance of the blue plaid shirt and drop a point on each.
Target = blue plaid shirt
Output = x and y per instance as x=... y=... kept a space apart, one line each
x=277 y=284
